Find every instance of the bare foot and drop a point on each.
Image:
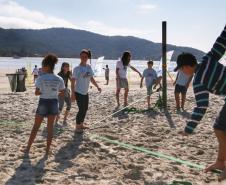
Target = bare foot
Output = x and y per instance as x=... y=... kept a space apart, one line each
x=222 y=176
x=218 y=165
x=84 y=127
x=125 y=104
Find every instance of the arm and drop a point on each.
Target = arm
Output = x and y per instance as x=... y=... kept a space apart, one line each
x=134 y=69
x=93 y=81
x=141 y=82
x=202 y=103
x=73 y=89
x=117 y=73
x=218 y=48
x=37 y=92
x=174 y=83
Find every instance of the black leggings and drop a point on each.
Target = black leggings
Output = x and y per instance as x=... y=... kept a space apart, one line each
x=82 y=102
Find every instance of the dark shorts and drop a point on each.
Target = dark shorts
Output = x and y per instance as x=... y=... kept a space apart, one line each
x=180 y=89
x=106 y=77
x=47 y=107
x=220 y=122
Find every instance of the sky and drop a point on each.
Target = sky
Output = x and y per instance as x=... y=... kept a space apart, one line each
x=192 y=23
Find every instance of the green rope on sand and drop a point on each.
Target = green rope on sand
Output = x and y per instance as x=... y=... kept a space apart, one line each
x=180 y=183
x=8 y=122
x=149 y=152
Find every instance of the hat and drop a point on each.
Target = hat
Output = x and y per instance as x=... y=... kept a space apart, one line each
x=185 y=59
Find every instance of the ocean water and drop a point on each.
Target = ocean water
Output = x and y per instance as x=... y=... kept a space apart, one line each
x=11 y=64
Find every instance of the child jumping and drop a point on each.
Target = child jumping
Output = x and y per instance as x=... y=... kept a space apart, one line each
x=121 y=76
x=210 y=78
x=150 y=76
x=182 y=81
x=48 y=86
x=65 y=74
x=81 y=78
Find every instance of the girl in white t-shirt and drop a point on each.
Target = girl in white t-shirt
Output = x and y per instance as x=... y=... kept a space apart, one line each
x=121 y=76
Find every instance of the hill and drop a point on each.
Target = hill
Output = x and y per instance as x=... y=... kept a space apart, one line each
x=69 y=42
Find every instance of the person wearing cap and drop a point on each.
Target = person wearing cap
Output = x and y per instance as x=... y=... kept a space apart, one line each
x=210 y=77
x=183 y=79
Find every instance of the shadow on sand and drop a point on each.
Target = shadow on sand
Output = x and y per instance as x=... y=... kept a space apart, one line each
x=28 y=174
x=68 y=152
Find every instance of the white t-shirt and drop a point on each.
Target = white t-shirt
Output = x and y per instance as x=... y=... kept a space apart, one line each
x=82 y=75
x=35 y=71
x=182 y=78
x=122 y=69
x=150 y=75
x=49 y=85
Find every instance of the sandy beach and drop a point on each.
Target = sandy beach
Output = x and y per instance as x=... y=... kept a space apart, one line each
x=83 y=159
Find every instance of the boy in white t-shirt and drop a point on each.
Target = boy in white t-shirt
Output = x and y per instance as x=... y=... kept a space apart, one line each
x=121 y=76
x=150 y=76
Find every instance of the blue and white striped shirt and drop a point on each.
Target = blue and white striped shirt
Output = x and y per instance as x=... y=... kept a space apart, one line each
x=209 y=78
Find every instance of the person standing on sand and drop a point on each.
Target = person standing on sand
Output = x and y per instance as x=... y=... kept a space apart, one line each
x=48 y=87
x=35 y=73
x=81 y=78
x=210 y=78
x=150 y=76
x=107 y=72
x=64 y=73
x=121 y=76
x=182 y=81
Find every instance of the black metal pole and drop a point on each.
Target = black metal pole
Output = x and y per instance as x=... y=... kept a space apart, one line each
x=164 y=64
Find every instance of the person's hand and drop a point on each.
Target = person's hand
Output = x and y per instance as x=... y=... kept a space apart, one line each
x=73 y=97
x=99 y=89
x=141 y=85
x=174 y=83
x=61 y=93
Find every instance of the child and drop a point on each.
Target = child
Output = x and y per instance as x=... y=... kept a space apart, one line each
x=35 y=73
x=107 y=71
x=81 y=77
x=64 y=73
x=210 y=78
x=48 y=87
x=150 y=76
x=121 y=76
x=182 y=80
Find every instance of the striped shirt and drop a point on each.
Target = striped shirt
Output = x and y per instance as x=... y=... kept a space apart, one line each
x=209 y=78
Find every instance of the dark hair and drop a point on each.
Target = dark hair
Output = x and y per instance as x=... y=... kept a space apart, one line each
x=88 y=52
x=185 y=59
x=35 y=65
x=150 y=62
x=125 y=57
x=63 y=65
x=50 y=60
x=107 y=66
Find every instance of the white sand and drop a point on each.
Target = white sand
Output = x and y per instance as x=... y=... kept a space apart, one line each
x=81 y=160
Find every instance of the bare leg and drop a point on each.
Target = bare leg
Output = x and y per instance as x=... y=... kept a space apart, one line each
x=50 y=132
x=66 y=115
x=183 y=100
x=57 y=118
x=148 y=100
x=107 y=82
x=117 y=97
x=38 y=121
x=126 y=97
x=221 y=158
x=177 y=98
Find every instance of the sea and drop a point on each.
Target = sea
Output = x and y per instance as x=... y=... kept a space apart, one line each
x=12 y=64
